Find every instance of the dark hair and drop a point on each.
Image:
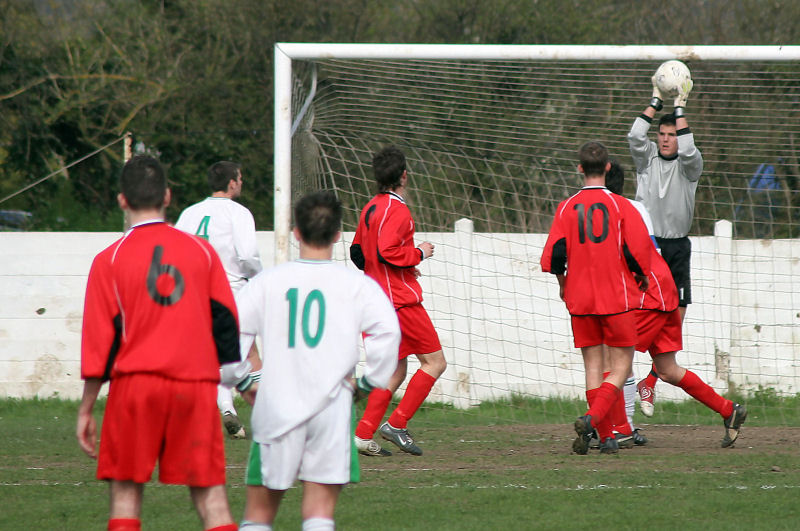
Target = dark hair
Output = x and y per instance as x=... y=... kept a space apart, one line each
x=666 y=119
x=318 y=217
x=221 y=173
x=615 y=178
x=388 y=164
x=593 y=157
x=143 y=182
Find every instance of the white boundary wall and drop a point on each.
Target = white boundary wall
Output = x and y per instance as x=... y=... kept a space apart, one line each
x=502 y=325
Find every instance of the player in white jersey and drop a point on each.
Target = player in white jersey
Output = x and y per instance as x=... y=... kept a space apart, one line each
x=229 y=227
x=311 y=314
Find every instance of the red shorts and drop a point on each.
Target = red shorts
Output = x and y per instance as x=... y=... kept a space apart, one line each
x=417 y=335
x=659 y=332
x=150 y=418
x=618 y=330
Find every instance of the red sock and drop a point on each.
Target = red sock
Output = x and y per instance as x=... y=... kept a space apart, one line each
x=603 y=428
x=604 y=399
x=226 y=527
x=591 y=395
x=416 y=393
x=377 y=404
x=618 y=416
x=704 y=393
x=124 y=524
x=651 y=379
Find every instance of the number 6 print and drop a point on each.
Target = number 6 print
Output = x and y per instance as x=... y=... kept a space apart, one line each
x=156 y=270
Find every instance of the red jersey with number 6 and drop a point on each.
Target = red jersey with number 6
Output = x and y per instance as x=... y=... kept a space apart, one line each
x=384 y=249
x=158 y=301
x=597 y=239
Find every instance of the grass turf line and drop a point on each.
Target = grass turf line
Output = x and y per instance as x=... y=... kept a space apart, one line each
x=480 y=470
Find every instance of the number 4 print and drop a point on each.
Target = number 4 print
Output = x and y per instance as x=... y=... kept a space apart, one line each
x=202 y=229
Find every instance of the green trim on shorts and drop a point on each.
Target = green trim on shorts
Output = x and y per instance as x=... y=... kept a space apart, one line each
x=253 y=473
x=355 y=470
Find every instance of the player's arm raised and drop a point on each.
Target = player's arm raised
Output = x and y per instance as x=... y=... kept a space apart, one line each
x=689 y=156
x=642 y=149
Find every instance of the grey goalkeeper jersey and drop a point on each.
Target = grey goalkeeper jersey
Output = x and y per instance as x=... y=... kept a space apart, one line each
x=666 y=187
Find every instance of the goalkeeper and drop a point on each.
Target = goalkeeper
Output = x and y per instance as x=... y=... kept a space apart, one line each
x=667 y=173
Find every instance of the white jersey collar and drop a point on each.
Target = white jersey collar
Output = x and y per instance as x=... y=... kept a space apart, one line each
x=148 y=222
x=396 y=196
x=310 y=261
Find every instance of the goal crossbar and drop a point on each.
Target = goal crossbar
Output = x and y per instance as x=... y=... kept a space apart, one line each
x=285 y=53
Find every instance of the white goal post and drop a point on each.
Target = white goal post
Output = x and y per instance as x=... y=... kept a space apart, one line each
x=285 y=53
x=493 y=130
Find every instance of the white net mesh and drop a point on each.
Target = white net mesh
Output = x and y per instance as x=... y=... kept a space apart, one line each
x=495 y=142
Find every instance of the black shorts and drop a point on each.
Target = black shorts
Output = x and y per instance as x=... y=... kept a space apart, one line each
x=677 y=253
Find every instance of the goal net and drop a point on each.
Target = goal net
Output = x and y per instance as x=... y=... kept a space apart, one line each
x=491 y=141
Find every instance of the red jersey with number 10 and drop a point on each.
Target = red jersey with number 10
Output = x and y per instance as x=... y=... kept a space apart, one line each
x=158 y=301
x=588 y=239
x=384 y=249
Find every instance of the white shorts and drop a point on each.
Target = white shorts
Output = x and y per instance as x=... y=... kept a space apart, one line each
x=319 y=450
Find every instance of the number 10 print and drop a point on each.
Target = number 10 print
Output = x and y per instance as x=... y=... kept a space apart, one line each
x=585 y=223
x=314 y=297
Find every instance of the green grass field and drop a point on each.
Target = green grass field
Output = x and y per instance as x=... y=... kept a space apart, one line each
x=501 y=466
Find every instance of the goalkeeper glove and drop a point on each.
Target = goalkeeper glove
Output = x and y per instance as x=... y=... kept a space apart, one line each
x=655 y=101
x=683 y=92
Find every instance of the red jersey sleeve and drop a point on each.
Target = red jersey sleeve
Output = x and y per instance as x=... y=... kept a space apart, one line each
x=224 y=317
x=554 y=254
x=101 y=321
x=396 y=239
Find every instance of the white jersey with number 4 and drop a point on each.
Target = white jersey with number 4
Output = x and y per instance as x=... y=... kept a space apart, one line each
x=310 y=315
x=229 y=227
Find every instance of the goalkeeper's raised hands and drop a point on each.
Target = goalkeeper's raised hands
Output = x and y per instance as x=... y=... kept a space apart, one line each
x=658 y=97
x=683 y=92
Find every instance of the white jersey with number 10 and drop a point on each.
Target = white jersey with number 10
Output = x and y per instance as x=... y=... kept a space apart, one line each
x=310 y=316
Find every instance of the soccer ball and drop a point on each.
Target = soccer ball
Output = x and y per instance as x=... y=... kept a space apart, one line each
x=671 y=75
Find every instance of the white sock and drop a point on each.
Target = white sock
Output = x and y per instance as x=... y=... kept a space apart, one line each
x=225 y=400
x=318 y=524
x=629 y=389
x=254 y=526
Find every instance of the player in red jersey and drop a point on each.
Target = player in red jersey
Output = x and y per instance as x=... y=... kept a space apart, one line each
x=658 y=326
x=596 y=244
x=383 y=247
x=159 y=321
